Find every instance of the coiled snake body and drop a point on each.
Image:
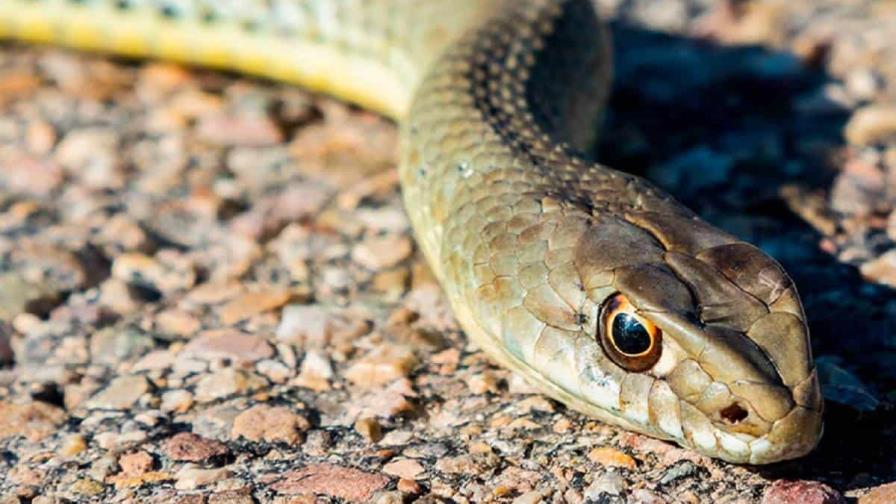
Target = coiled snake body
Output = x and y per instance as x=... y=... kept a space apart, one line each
x=596 y=286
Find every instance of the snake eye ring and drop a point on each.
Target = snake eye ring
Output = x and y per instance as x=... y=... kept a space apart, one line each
x=629 y=340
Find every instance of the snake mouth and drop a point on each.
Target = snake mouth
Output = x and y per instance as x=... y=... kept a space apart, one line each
x=733 y=427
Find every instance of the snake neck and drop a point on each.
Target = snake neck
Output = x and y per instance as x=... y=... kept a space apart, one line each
x=501 y=119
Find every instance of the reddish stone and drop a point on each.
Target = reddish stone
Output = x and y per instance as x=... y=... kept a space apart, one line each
x=190 y=447
x=135 y=464
x=801 y=492
x=884 y=494
x=332 y=480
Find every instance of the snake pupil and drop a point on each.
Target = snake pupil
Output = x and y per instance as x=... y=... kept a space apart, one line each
x=629 y=335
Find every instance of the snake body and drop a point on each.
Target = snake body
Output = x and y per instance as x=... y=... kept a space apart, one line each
x=532 y=242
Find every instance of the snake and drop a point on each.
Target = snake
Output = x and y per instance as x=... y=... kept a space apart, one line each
x=596 y=286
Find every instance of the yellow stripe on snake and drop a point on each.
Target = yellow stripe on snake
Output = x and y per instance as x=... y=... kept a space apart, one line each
x=593 y=284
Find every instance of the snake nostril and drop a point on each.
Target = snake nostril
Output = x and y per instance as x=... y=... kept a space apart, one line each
x=733 y=413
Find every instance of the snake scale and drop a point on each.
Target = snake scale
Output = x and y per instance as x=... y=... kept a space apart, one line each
x=596 y=286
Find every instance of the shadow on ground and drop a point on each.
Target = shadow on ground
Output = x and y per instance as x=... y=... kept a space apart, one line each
x=724 y=129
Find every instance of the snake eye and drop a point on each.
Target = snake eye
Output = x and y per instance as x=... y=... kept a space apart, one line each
x=630 y=340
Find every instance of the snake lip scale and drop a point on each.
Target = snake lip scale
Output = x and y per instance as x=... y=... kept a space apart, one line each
x=599 y=288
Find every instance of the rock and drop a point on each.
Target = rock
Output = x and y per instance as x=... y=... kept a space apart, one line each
x=611 y=457
x=21 y=474
x=241 y=131
x=184 y=366
x=87 y=487
x=515 y=480
x=466 y=464
x=382 y=252
x=864 y=83
x=386 y=402
x=238 y=496
x=382 y=365
x=884 y=494
x=91 y=155
x=369 y=429
x=251 y=303
x=121 y=393
x=157 y=360
x=644 y=496
x=274 y=370
x=858 y=189
x=133 y=481
x=176 y=322
x=404 y=468
x=113 y=345
x=801 y=492
x=871 y=124
x=881 y=269
x=683 y=469
x=73 y=445
x=34 y=420
x=332 y=480
x=410 y=487
x=136 y=463
x=189 y=447
x=610 y=483
x=167 y=272
x=176 y=401
x=315 y=372
x=227 y=382
x=531 y=497
x=562 y=426
x=269 y=214
x=319 y=327
x=31 y=175
x=273 y=424
x=232 y=344
x=190 y=477
x=6 y=353
x=481 y=383
x=17 y=295
x=216 y=422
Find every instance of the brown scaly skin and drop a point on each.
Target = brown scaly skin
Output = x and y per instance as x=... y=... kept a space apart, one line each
x=528 y=238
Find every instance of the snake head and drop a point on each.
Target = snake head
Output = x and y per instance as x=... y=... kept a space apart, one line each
x=698 y=337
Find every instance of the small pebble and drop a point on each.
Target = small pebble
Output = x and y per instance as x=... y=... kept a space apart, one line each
x=251 y=303
x=86 y=486
x=234 y=345
x=121 y=394
x=73 y=445
x=136 y=463
x=381 y=252
x=382 y=365
x=871 y=124
x=189 y=447
x=409 y=469
x=226 y=382
x=369 y=428
x=881 y=269
x=611 y=457
x=610 y=483
x=176 y=401
x=189 y=478
x=273 y=424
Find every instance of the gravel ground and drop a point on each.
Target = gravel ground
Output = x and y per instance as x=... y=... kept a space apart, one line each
x=209 y=291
